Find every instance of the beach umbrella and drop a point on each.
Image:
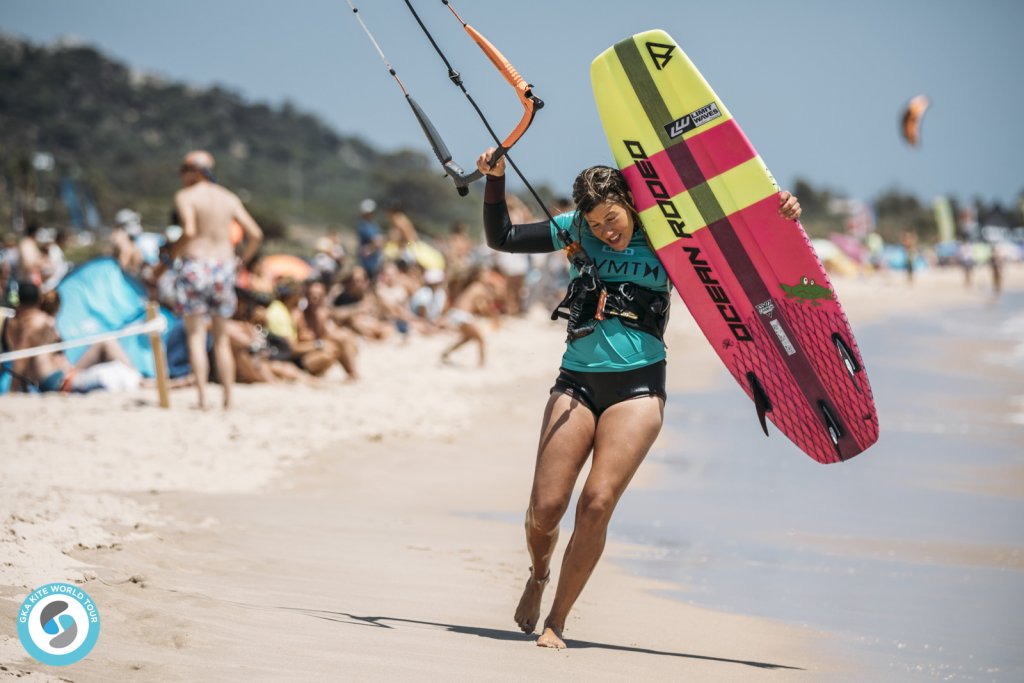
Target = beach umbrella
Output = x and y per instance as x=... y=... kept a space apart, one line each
x=286 y=265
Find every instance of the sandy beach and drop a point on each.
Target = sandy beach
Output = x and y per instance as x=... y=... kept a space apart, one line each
x=369 y=531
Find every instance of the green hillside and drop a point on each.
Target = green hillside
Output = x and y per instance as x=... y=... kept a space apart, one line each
x=118 y=137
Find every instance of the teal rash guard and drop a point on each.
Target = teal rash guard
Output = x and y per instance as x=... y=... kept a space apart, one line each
x=612 y=346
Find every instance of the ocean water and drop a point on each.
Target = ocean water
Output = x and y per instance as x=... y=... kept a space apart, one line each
x=1013 y=328
x=912 y=552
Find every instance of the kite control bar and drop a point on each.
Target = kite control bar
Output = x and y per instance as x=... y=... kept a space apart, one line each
x=461 y=178
x=531 y=103
x=524 y=90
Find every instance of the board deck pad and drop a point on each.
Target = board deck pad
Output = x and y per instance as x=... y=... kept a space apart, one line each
x=749 y=277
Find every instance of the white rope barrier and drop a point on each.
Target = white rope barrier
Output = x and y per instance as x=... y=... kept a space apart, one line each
x=157 y=325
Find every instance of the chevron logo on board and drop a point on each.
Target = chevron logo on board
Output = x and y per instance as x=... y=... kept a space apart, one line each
x=660 y=54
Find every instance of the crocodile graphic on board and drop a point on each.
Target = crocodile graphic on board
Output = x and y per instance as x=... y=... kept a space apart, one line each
x=807 y=291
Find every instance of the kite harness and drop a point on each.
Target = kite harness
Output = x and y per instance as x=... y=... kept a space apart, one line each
x=587 y=302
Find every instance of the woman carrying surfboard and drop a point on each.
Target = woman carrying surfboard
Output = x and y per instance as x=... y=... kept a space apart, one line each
x=609 y=396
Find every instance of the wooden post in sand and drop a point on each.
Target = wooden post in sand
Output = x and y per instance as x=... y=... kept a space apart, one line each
x=159 y=358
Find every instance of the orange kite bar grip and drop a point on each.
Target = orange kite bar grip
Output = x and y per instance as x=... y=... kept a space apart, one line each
x=498 y=60
x=530 y=103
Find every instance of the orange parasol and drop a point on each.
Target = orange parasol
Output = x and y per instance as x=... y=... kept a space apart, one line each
x=286 y=265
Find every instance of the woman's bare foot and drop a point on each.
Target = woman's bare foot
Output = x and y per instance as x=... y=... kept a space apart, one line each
x=528 y=611
x=551 y=637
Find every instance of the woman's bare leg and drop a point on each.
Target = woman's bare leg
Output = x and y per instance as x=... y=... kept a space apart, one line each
x=566 y=437
x=624 y=434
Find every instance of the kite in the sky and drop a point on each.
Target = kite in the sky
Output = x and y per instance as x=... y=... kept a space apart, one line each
x=912 y=116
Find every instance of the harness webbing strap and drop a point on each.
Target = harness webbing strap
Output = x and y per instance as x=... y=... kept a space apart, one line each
x=586 y=302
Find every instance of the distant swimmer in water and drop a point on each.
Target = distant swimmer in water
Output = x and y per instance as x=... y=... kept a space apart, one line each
x=609 y=396
x=205 y=266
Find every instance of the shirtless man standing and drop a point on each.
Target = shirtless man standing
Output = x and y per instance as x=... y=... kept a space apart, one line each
x=205 y=265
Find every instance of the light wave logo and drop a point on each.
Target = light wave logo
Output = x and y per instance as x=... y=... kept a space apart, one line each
x=58 y=624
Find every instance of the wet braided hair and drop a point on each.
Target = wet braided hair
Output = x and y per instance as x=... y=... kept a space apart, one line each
x=599 y=184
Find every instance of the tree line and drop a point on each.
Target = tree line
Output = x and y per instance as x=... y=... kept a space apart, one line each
x=77 y=126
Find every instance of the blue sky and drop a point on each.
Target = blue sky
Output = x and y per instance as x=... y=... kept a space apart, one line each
x=817 y=86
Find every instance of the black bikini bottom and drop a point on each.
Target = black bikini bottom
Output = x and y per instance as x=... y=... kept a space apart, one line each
x=601 y=390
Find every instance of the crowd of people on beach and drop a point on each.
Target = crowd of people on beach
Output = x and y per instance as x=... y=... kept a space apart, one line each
x=289 y=318
x=286 y=318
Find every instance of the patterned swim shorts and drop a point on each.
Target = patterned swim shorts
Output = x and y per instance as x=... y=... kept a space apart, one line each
x=204 y=286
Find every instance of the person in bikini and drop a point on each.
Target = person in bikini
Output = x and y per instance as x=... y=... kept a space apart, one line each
x=609 y=397
x=205 y=266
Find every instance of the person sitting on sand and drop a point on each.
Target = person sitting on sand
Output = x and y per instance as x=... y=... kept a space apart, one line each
x=253 y=364
x=409 y=275
x=430 y=301
x=283 y=315
x=104 y=365
x=355 y=306
x=315 y=323
x=255 y=277
x=393 y=297
x=256 y=358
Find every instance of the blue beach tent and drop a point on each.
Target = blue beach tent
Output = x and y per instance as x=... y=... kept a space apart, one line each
x=99 y=297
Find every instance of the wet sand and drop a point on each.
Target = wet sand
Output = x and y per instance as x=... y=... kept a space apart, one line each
x=913 y=552
x=372 y=531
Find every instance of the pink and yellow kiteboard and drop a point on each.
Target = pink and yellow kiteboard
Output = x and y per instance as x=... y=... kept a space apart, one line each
x=748 y=276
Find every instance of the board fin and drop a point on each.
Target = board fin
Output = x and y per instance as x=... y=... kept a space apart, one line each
x=761 y=402
x=848 y=358
x=833 y=428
